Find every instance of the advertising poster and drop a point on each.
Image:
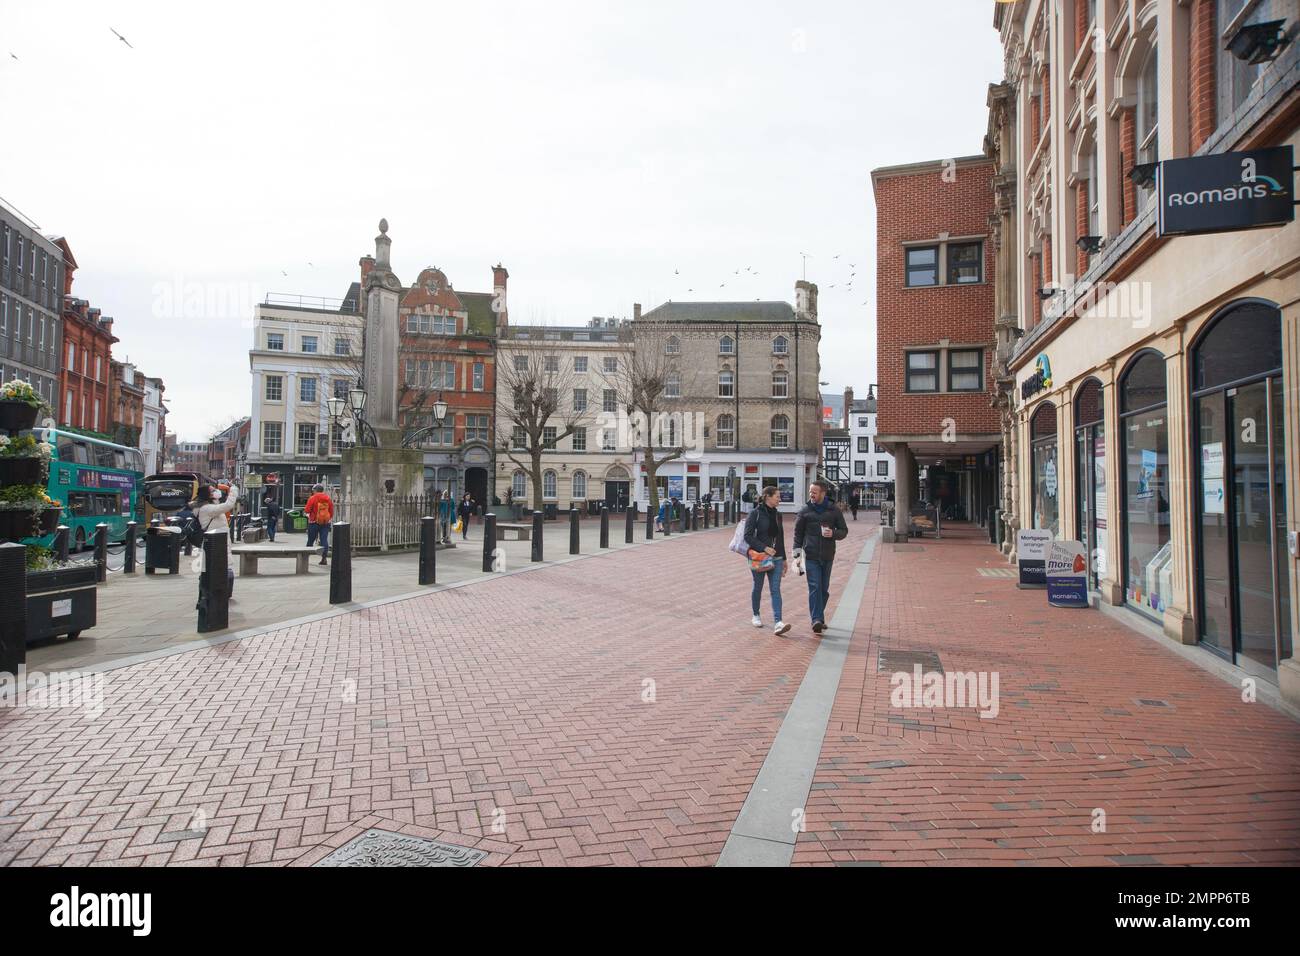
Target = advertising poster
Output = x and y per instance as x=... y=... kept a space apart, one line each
x=1067 y=574
x=675 y=487
x=786 y=487
x=1212 y=496
x=1146 y=473
x=1031 y=556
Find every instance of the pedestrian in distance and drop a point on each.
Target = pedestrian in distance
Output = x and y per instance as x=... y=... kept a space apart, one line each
x=663 y=513
x=854 y=503
x=271 y=509
x=820 y=524
x=466 y=512
x=210 y=513
x=765 y=537
x=320 y=512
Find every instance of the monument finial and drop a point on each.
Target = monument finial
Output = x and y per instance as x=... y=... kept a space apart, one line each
x=383 y=226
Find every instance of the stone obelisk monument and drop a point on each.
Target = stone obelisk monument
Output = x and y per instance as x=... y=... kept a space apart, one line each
x=376 y=473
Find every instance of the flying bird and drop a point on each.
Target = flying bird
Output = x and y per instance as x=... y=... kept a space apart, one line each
x=283 y=273
x=311 y=265
x=676 y=273
x=14 y=57
x=721 y=285
x=120 y=37
x=835 y=257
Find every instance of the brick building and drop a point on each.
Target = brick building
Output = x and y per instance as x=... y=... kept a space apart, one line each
x=125 y=403
x=447 y=353
x=935 y=337
x=85 y=380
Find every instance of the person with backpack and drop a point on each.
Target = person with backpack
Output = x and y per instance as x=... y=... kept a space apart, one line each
x=271 y=509
x=210 y=513
x=320 y=512
x=819 y=525
x=765 y=538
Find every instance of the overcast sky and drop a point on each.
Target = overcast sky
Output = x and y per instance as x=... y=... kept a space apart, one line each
x=596 y=149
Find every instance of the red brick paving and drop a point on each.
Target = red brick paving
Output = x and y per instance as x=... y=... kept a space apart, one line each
x=1206 y=779
x=522 y=693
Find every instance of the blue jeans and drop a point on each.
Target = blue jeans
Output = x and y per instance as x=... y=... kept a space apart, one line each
x=270 y=528
x=323 y=530
x=819 y=587
x=773 y=586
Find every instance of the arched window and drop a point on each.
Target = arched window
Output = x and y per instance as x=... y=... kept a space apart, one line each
x=727 y=345
x=673 y=346
x=780 y=384
x=780 y=431
x=519 y=485
x=726 y=385
x=1043 y=452
x=579 y=484
x=726 y=431
x=1144 y=467
x=548 y=484
x=780 y=346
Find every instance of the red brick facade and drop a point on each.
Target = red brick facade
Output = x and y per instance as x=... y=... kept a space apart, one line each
x=84 y=379
x=1128 y=150
x=916 y=204
x=1201 y=68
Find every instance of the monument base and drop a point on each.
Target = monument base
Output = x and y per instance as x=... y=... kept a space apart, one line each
x=375 y=473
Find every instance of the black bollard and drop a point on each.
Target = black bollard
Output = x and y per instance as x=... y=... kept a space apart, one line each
x=61 y=535
x=489 y=541
x=13 y=608
x=101 y=553
x=128 y=564
x=629 y=520
x=604 y=527
x=668 y=521
x=574 y=532
x=341 y=564
x=428 y=550
x=537 y=535
x=214 y=588
x=649 y=525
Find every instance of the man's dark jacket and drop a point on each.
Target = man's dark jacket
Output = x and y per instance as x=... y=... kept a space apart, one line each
x=808 y=532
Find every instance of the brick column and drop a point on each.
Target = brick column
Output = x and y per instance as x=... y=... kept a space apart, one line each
x=1201 y=68
x=1128 y=150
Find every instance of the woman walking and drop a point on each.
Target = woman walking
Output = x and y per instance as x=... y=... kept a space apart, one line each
x=765 y=537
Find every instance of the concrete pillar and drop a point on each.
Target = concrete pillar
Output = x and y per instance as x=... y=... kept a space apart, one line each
x=904 y=484
x=1178 y=620
x=1288 y=672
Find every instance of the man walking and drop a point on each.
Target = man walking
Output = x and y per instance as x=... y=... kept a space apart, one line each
x=320 y=512
x=272 y=511
x=819 y=525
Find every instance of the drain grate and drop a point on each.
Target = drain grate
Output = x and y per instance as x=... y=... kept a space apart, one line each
x=378 y=848
x=893 y=661
x=909 y=547
x=996 y=572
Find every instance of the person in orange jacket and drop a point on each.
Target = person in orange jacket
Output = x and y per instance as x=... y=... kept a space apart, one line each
x=320 y=512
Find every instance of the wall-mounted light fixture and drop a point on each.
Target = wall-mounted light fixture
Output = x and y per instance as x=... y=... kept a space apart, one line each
x=1259 y=42
x=1143 y=175
x=1089 y=244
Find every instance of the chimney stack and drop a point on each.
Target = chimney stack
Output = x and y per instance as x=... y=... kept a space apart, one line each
x=636 y=311
x=500 y=276
x=805 y=299
x=848 y=406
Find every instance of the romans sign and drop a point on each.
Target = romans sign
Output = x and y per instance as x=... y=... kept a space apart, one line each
x=1224 y=192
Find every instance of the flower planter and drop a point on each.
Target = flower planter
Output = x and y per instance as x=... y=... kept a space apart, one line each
x=61 y=601
x=15 y=416
x=50 y=520
x=16 y=525
x=22 y=471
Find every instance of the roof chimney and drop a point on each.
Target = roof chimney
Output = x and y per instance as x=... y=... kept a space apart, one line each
x=500 y=277
x=848 y=406
x=805 y=300
x=636 y=311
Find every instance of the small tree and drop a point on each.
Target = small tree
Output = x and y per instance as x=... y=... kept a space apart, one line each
x=536 y=396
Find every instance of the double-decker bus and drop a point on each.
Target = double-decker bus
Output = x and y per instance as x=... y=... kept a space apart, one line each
x=96 y=480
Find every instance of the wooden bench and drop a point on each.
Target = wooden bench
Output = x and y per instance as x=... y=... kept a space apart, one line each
x=248 y=558
x=523 y=532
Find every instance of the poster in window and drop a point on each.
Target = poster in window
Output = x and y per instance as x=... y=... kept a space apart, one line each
x=786 y=487
x=1146 y=473
x=675 y=487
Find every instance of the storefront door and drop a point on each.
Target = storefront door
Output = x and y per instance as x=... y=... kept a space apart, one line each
x=1243 y=590
x=1090 y=479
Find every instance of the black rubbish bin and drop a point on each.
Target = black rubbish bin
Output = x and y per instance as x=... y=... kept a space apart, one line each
x=162 y=549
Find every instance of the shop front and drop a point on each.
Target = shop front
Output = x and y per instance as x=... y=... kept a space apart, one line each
x=289 y=485
x=690 y=480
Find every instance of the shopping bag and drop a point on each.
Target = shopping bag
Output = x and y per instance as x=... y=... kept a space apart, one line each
x=738 y=541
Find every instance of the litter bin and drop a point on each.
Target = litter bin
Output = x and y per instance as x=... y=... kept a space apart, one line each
x=162 y=549
x=299 y=519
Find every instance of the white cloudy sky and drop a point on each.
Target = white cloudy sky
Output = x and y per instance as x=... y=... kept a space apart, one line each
x=594 y=148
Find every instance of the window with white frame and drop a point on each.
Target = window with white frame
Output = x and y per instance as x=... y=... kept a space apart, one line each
x=548 y=485
x=673 y=346
x=307 y=389
x=726 y=435
x=272 y=436
x=580 y=363
x=727 y=345
x=275 y=341
x=519 y=438
x=478 y=376
x=579 y=484
x=521 y=363
x=1147 y=115
x=579 y=437
x=607 y=440
x=306 y=438
x=476 y=428
x=1094 y=192
x=780 y=345
x=610 y=363
x=726 y=385
x=341 y=388
x=310 y=344
x=336 y=439
x=882 y=468
x=519 y=485
x=608 y=400
x=864 y=445
x=780 y=384
x=780 y=431
x=860 y=467
x=275 y=388
x=579 y=399
x=551 y=363
x=342 y=345
x=673 y=385
x=548 y=437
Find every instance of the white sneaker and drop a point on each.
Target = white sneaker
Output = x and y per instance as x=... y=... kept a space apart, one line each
x=781 y=628
x=758 y=621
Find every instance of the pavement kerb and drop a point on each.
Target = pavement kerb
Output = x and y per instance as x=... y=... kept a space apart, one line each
x=342 y=609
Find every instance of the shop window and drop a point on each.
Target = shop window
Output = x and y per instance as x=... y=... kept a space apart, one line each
x=1144 y=465
x=1043 y=451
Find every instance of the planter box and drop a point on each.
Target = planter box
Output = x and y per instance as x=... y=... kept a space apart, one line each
x=62 y=601
x=16 y=525
x=16 y=416
x=22 y=471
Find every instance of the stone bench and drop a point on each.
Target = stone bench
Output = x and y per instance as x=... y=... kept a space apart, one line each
x=248 y=558
x=523 y=532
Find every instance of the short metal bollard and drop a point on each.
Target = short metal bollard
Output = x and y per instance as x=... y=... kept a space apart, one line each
x=489 y=542
x=13 y=607
x=538 y=531
x=62 y=534
x=101 y=553
x=649 y=525
x=574 y=532
x=341 y=563
x=629 y=521
x=668 y=521
x=128 y=564
x=428 y=550
x=604 y=527
x=214 y=586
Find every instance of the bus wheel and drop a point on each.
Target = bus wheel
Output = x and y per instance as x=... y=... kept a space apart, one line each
x=80 y=542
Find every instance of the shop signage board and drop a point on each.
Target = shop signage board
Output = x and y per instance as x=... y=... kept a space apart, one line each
x=1031 y=556
x=253 y=481
x=1225 y=192
x=1067 y=574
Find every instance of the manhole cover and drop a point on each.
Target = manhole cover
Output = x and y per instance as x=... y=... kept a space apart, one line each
x=385 y=848
x=909 y=547
x=891 y=661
